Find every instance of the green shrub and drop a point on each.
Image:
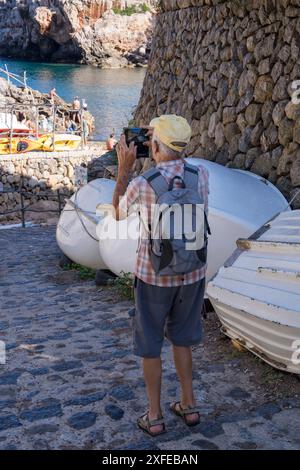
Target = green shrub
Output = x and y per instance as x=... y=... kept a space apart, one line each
x=131 y=10
x=144 y=7
x=128 y=11
x=123 y=286
x=86 y=274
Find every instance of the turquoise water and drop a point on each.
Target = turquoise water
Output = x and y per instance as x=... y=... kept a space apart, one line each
x=111 y=94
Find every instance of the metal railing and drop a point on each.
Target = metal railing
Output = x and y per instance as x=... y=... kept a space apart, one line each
x=17 y=78
x=48 y=195
x=10 y=121
x=36 y=110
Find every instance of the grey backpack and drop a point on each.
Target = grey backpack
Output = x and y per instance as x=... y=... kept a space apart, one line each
x=179 y=228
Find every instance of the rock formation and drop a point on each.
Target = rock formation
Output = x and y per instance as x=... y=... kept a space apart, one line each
x=228 y=67
x=119 y=41
x=85 y=31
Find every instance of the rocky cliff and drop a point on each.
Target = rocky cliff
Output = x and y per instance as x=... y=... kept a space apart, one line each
x=85 y=31
x=228 y=67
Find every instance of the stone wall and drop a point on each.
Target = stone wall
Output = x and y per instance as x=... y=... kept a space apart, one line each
x=228 y=66
x=43 y=172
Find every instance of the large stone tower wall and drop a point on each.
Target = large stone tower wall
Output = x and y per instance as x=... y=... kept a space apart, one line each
x=228 y=67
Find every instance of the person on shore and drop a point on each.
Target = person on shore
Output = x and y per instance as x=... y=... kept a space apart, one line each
x=59 y=125
x=85 y=126
x=30 y=124
x=111 y=142
x=21 y=117
x=76 y=104
x=71 y=126
x=165 y=304
x=50 y=124
x=44 y=123
x=53 y=95
x=76 y=107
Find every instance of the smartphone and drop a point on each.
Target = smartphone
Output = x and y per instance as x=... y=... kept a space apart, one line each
x=139 y=136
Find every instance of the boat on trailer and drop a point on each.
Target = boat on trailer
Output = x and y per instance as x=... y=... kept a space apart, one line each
x=256 y=294
x=239 y=203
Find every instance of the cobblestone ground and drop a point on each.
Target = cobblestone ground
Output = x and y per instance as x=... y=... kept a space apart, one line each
x=71 y=382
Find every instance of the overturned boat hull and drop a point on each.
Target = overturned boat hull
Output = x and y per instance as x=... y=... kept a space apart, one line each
x=76 y=230
x=239 y=203
x=257 y=293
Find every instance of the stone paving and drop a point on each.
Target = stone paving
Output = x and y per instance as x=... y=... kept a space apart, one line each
x=71 y=381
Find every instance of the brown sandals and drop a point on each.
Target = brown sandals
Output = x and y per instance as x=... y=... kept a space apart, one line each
x=146 y=424
x=177 y=409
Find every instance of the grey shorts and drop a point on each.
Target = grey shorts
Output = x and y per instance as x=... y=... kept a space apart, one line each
x=172 y=312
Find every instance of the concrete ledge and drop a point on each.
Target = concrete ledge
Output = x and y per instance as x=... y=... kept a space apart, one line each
x=90 y=152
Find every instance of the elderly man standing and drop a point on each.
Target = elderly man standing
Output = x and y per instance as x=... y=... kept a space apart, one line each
x=167 y=304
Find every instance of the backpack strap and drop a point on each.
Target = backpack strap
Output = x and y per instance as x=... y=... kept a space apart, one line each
x=156 y=181
x=160 y=186
x=191 y=176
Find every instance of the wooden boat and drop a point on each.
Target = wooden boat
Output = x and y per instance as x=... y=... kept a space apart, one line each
x=256 y=294
x=239 y=204
x=60 y=142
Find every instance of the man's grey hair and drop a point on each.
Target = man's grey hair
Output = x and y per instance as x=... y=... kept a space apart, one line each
x=174 y=154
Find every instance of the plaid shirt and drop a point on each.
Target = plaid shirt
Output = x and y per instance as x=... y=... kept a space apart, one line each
x=139 y=195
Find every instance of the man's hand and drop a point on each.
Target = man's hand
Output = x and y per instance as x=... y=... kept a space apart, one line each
x=150 y=135
x=126 y=155
x=126 y=158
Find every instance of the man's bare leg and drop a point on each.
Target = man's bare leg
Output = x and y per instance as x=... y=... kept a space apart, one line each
x=184 y=366
x=153 y=374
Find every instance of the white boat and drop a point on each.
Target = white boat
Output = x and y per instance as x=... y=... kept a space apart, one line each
x=76 y=229
x=256 y=294
x=239 y=203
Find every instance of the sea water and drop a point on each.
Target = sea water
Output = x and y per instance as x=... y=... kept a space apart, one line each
x=111 y=94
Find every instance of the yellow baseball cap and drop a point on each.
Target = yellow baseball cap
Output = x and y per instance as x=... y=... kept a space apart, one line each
x=174 y=131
